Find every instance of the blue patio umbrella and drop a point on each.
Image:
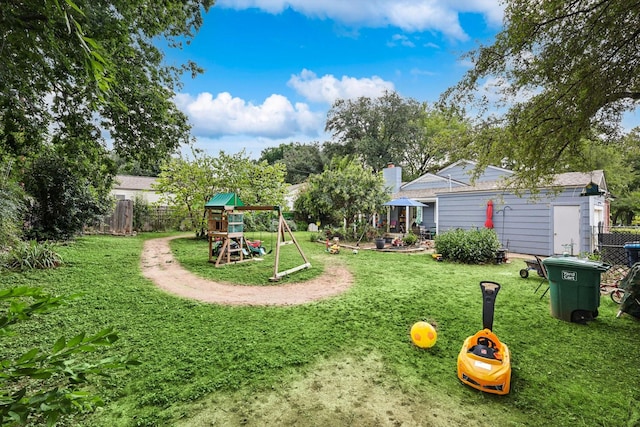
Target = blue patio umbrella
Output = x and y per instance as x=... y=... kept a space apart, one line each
x=405 y=201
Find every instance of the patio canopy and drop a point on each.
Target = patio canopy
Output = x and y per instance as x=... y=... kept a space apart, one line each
x=405 y=201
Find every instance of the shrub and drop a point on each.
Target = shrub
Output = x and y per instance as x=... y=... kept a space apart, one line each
x=470 y=247
x=314 y=237
x=63 y=201
x=11 y=208
x=141 y=213
x=26 y=256
x=291 y=223
x=331 y=232
x=410 y=239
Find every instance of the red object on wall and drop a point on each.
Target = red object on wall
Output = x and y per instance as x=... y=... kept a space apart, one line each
x=489 y=222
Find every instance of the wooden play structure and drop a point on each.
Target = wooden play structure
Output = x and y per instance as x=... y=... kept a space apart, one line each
x=227 y=243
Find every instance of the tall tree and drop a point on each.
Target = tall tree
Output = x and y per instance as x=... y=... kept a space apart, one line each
x=344 y=190
x=622 y=170
x=377 y=130
x=300 y=160
x=190 y=183
x=565 y=70
x=443 y=131
x=74 y=67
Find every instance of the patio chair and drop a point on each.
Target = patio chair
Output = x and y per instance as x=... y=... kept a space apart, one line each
x=425 y=234
x=545 y=277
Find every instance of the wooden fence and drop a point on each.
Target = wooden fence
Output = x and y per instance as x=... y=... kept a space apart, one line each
x=126 y=219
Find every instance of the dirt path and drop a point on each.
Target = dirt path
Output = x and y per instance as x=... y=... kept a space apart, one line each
x=159 y=265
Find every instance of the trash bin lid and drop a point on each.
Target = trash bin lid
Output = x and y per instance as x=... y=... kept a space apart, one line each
x=632 y=245
x=573 y=262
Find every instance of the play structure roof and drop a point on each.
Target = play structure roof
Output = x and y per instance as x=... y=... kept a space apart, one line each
x=224 y=201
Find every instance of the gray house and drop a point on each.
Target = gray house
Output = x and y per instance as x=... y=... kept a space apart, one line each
x=552 y=222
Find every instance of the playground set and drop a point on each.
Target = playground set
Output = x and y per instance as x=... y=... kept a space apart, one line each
x=227 y=242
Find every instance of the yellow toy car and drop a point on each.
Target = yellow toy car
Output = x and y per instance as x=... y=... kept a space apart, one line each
x=484 y=362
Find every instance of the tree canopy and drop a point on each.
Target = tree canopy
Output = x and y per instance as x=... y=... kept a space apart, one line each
x=190 y=183
x=76 y=68
x=301 y=160
x=566 y=71
x=393 y=129
x=80 y=77
x=343 y=191
x=376 y=129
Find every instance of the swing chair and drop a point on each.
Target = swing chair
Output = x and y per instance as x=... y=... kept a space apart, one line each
x=257 y=247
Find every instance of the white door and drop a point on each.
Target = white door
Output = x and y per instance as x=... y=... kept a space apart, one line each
x=566 y=229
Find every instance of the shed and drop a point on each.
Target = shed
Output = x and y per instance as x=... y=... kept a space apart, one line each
x=558 y=219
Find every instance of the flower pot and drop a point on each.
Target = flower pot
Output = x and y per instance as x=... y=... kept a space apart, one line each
x=379 y=243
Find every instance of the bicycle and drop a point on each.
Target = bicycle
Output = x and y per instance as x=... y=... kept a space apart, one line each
x=610 y=284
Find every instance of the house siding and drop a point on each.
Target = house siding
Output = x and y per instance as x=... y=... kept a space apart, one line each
x=129 y=187
x=462 y=172
x=522 y=225
x=432 y=182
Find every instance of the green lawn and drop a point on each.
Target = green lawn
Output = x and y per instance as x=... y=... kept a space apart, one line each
x=205 y=363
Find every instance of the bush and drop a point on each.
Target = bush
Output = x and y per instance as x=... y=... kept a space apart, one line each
x=410 y=239
x=314 y=237
x=26 y=256
x=470 y=247
x=11 y=208
x=63 y=202
x=291 y=223
x=141 y=213
x=330 y=232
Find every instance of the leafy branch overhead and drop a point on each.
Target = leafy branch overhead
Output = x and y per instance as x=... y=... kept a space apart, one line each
x=68 y=62
x=566 y=71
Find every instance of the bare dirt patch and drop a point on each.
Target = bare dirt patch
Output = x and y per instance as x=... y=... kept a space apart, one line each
x=344 y=391
x=159 y=265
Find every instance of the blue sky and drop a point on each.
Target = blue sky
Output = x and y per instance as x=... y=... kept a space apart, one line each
x=274 y=67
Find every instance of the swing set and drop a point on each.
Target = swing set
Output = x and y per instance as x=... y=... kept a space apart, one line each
x=227 y=243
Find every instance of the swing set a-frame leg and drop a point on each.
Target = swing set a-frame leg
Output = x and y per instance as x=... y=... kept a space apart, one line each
x=283 y=228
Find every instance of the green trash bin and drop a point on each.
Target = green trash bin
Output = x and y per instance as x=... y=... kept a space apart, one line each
x=574 y=287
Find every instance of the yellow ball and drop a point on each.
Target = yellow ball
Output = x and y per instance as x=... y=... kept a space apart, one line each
x=423 y=334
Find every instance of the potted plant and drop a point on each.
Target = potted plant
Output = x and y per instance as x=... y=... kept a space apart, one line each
x=379 y=239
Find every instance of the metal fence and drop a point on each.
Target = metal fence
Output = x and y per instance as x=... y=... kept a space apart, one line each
x=610 y=245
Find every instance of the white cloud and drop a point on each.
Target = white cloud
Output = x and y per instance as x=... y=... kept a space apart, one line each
x=400 y=39
x=276 y=117
x=252 y=145
x=327 y=89
x=419 y=72
x=408 y=15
